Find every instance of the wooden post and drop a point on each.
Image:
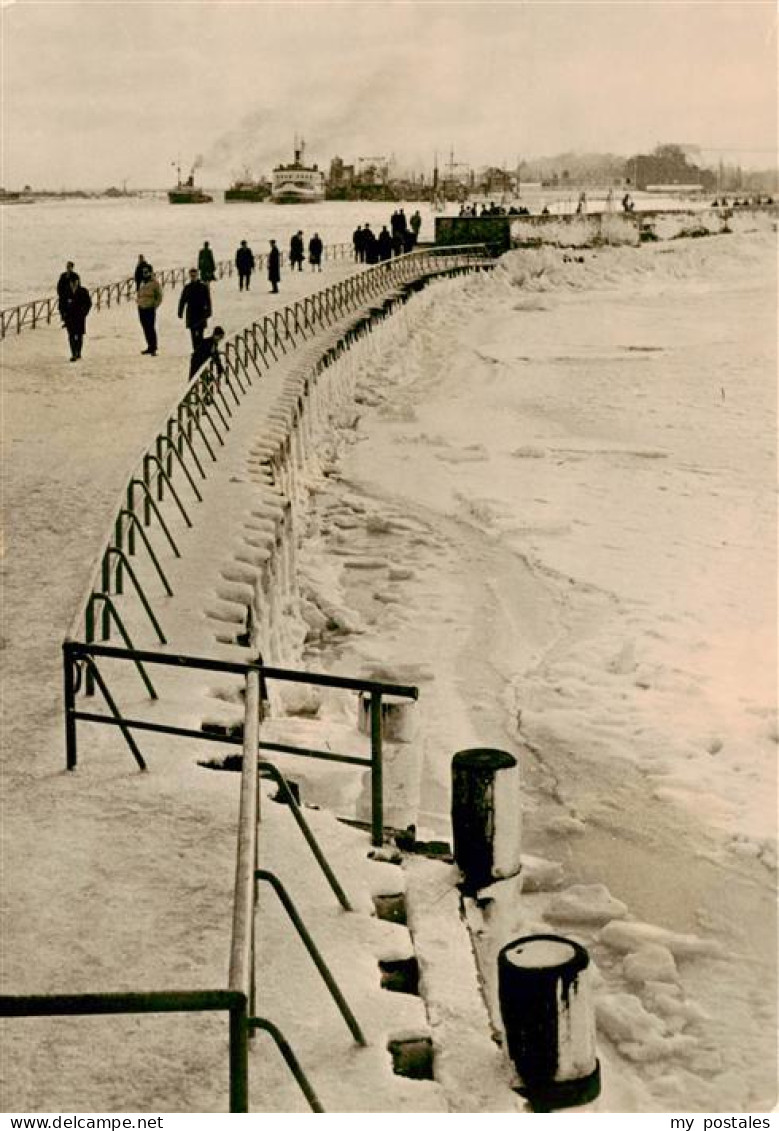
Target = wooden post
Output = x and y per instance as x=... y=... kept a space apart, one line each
x=486 y=818
x=549 y=1020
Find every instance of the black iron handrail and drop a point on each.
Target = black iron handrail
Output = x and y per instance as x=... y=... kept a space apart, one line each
x=31 y=313
x=182 y=428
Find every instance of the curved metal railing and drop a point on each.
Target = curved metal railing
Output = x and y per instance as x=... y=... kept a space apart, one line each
x=193 y=432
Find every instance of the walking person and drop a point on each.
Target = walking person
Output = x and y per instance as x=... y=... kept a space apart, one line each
x=296 y=252
x=196 y=301
x=244 y=265
x=205 y=263
x=140 y=268
x=148 y=298
x=315 y=252
x=74 y=306
x=274 y=267
x=207 y=349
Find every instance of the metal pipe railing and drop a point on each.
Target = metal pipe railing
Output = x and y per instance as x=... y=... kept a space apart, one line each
x=29 y=314
x=183 y=424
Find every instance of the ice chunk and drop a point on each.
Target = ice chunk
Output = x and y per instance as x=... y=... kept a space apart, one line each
x=652 y=963
x=539 y=874
x=629 y=936
x=585 y=903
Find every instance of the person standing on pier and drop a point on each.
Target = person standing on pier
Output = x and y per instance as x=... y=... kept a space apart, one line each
x=416 y=224
x=148 y=298
x=359 y=244
x=196 y=301
x=274 y=267
x=296 y=252
x=206 y=264
x=384 y=243
x=74 y=306
x=315 y=252
x=244 y=265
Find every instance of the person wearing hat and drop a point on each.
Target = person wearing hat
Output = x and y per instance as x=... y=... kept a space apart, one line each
x=274 y=267
x=196 y=301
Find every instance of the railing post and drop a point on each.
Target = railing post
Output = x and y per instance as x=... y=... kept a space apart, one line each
x=239 y=1057
x=71 y=750
x=377 y=785
x=160 y=479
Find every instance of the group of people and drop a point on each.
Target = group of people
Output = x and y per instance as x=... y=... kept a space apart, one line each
x=297 y=252
x=195 y=301
x=399 y=238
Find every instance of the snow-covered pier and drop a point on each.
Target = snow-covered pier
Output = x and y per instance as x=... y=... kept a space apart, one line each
x=543 y=495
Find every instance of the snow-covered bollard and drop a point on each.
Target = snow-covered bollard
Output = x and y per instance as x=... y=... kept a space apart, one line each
x=549 y=1020
x=398 y=719
x=486 y=816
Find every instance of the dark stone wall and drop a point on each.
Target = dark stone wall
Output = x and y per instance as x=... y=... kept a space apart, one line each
x=492 y=230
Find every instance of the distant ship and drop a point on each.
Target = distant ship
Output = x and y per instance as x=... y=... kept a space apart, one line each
x=298 y=183
x=246 y=188
x=185 y=192
x=15 y=197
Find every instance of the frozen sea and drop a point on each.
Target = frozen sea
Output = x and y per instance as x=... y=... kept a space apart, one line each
x=104 y=237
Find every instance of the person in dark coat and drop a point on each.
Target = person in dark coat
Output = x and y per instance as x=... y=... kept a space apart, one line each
x=63 y=283
x=196 y=301
x=416 y=224
x=244 y=264
x=274 y=267
x=315 y=252
x=358 y=241
x=207 y=349
x=140 y=268
x=296 y=252
x=384 y=244
x=205 y=263
x=370 y=245
x=74 y=306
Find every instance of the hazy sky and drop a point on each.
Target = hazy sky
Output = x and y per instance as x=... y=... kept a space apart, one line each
x=99 y=91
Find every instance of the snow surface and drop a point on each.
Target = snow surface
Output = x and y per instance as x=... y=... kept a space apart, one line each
x=549 y=501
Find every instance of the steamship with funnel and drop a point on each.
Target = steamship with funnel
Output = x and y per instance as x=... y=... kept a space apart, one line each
x=186 y=192
x=297 y=183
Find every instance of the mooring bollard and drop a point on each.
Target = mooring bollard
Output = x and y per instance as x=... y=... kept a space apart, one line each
x=549 y=1021
x=398 y=718
x=486 y=816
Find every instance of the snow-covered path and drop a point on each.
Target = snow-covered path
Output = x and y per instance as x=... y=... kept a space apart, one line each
x=72 y=433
